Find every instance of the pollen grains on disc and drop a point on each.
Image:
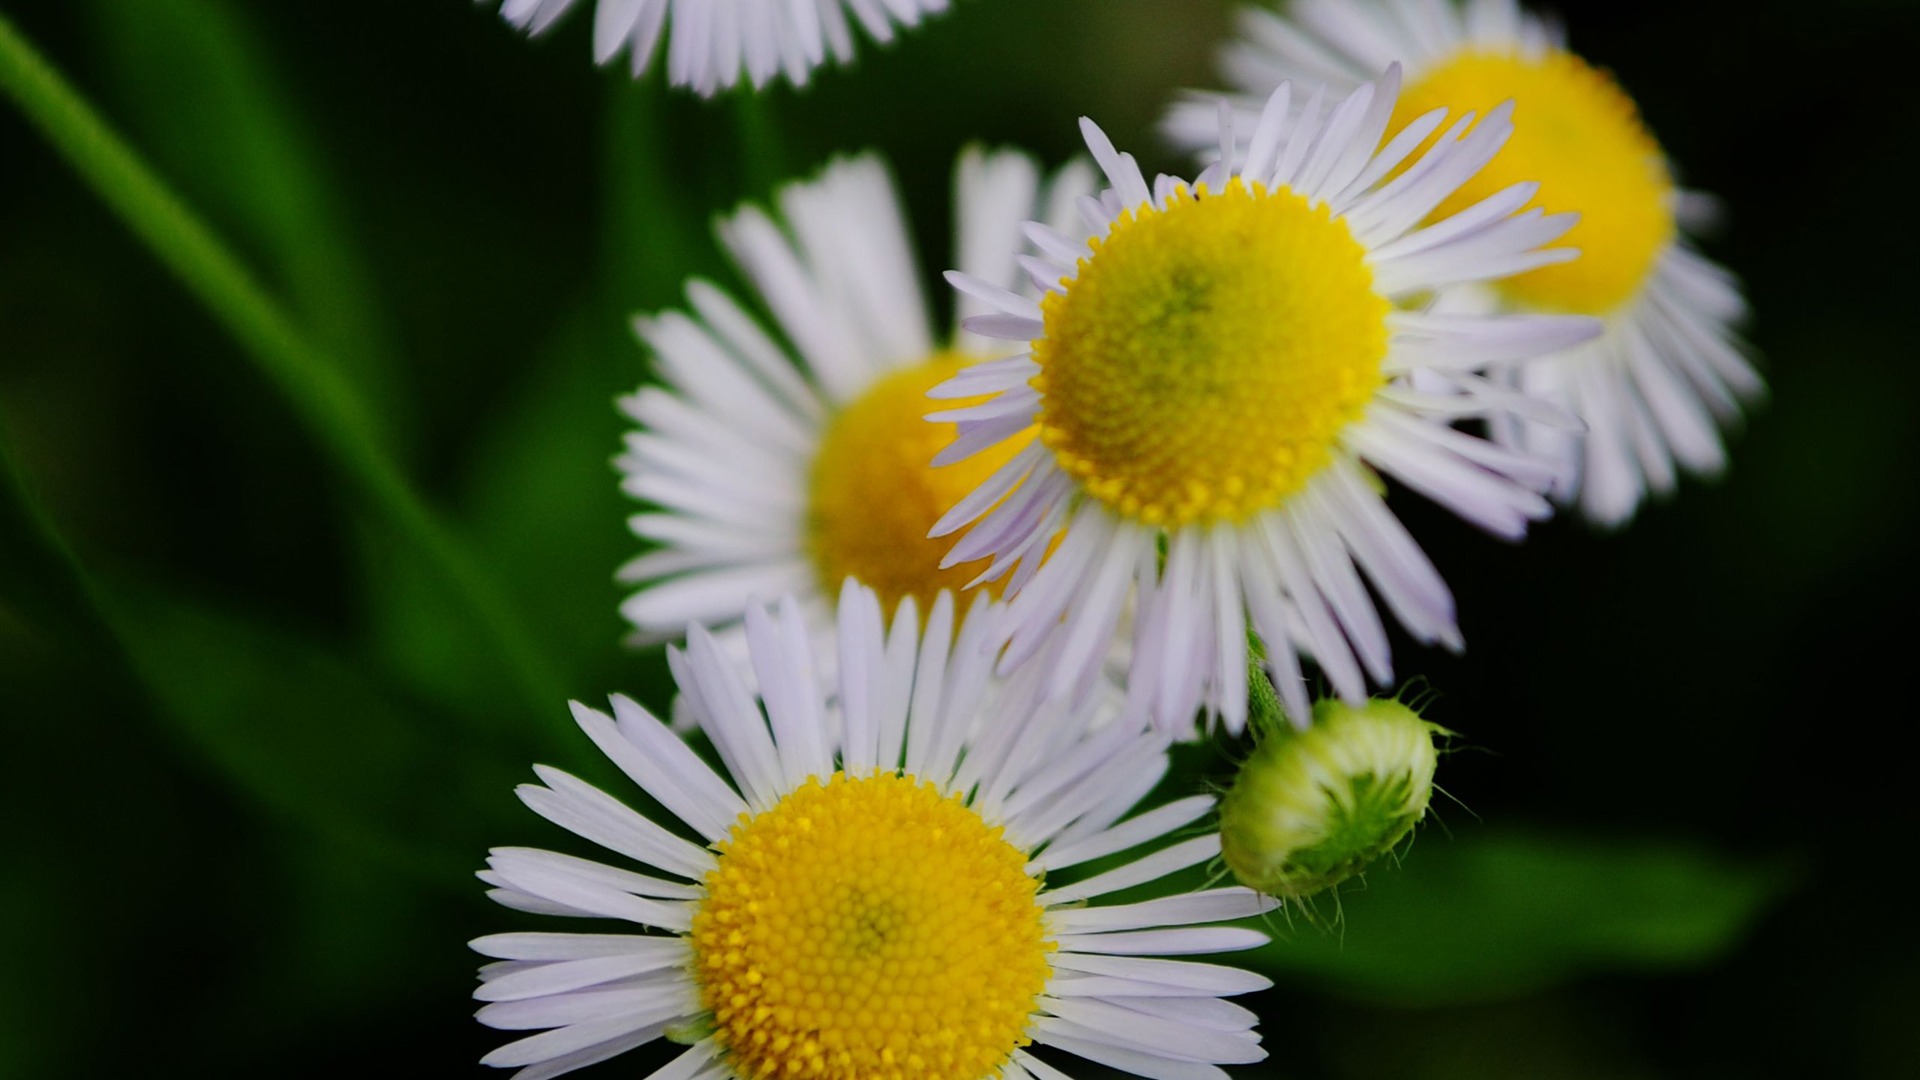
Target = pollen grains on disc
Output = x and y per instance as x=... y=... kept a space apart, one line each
x=1578 y=135
x=1205 y=357
x=874 y=493
x=869 y=927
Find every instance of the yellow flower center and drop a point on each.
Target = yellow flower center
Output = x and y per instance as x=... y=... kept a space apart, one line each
x=1205 y=358
x=1579 y=135
x=869 y=927
x=875 y=493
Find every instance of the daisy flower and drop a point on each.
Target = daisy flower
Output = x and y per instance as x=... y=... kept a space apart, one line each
x=872 y=898
x=774 y=469
x=712 y=43
x=1218 y=378
x=1669 y=372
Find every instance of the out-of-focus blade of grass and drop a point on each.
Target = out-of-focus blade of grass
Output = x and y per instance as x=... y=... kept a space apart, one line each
x=200 y=86
x=309 y=378
x=763 y=154
x=37 y=1004
x=311 y=736
x=1504 y=913
x=543 y=500
x=653 y=225
x=345 y=834
x=31 y=921
x=300 y=730
x=195 y=79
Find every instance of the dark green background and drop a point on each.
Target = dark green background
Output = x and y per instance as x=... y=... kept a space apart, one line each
x=253 y=749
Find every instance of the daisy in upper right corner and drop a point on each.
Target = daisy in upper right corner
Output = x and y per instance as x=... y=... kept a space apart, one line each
x=1670 y=371
x=1220 y=378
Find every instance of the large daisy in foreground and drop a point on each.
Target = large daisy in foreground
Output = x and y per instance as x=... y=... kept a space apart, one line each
x=712 y=44
x=774 y=471
x=875 y=897
x=1669 y=372
x=1215 y=379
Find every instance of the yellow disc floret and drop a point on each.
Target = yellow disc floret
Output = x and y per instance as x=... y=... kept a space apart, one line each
x=1205 y=357
x=869 y=927
x=875 y=493
x=1580 y=137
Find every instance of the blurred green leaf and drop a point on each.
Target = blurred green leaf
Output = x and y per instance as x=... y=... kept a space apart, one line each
x=204 y=95
x=33 y=923
x=543 y=498
x=1501 y=913
x=266 y=334
x=309 y=735
x=1555 y=1035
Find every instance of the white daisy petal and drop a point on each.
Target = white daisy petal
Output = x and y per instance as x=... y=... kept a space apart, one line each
x=716 y=44
x=1089 y=1044
x=1038 y=1069
x=1200 y=1012
x=1152 y=868
x=663 y=766
x=861 y=641
x=1091 y=804
x=1119 y=798
x=696 y=781
x=929 y=678
x=539 y=946
x=732 y=719
x=561 y=881
x=532 y=905
x=968 y=681
x=1217 y=905
x=1154 y=823
x=569 y=975
x=688 y=1064
x=1120 y=1026
x=586 y=811
x=559 y=1043
x=783 y=661
x=591 y=1055
x=1213 y=979
x=1183 y=941
x=1122 y=991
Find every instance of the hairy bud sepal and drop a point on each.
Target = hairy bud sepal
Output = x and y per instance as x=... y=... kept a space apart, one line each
x=1312 y=807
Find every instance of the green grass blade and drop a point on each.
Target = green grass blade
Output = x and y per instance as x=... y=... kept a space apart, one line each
x=266 y=335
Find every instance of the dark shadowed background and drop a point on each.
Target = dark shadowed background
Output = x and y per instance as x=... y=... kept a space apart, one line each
x=254 y=746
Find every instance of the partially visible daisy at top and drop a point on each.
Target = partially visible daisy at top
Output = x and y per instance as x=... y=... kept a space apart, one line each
x=785 y=466
x=713 y=44
x=1219 y=378
x=904 y=893
x=1669 y=373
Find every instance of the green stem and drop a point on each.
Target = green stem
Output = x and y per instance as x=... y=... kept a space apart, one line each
x=649 y=231
x=1265 y=715
x=762 y=155
x=266 y=335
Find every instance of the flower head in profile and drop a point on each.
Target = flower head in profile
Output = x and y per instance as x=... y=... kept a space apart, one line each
x=899 y=892
x=712 y=44
x=1656 y=388
x=785 y=468
x=1219 y=379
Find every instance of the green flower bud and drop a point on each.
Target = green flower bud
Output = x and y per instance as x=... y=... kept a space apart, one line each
x=1311 y=808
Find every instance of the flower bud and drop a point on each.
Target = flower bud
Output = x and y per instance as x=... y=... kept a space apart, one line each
x=1311 y=808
